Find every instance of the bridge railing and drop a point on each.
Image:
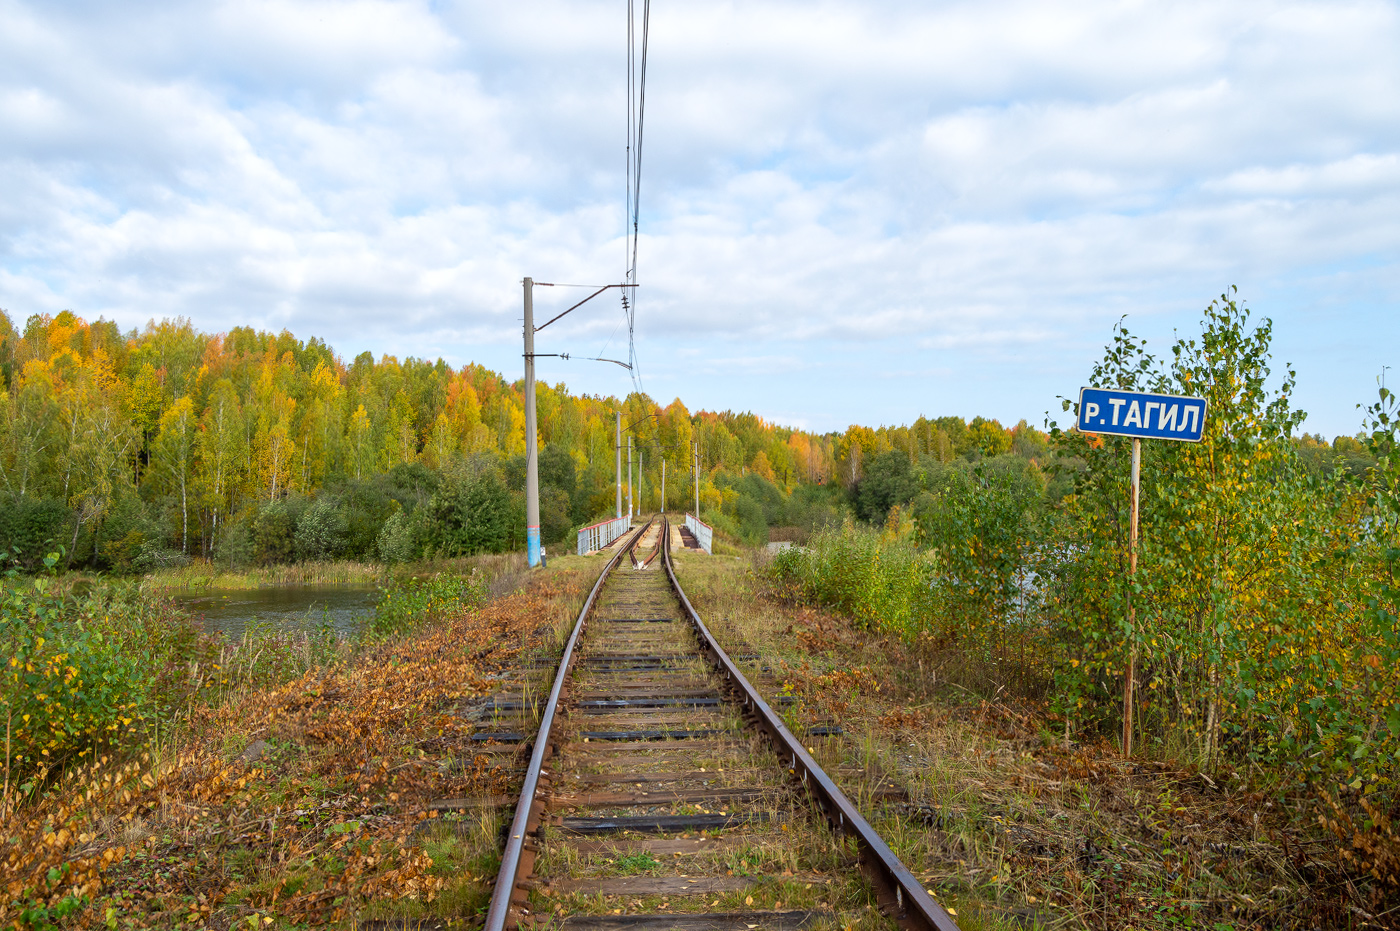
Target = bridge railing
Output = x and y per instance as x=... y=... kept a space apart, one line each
x=703 y=534
x=596 y=536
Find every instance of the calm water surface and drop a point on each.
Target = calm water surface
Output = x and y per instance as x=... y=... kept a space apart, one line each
x=289 y=608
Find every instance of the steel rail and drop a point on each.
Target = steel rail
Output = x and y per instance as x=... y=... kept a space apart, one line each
x=528 y=808
x=899 y=891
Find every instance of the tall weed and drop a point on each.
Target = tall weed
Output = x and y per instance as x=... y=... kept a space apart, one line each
x=407 y=604
x=884 y=583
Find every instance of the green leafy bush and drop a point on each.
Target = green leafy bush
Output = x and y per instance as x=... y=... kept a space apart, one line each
x=69 y=683
x=890 y=479
x=235 y=546
x=320 y=531
x=884 y=583
x=556 y=515
x=410 y=603
x=985 y=524
x=31 y=527
x=398 y=539
x=470 y=514
x=1246 y=618
x=274 y=531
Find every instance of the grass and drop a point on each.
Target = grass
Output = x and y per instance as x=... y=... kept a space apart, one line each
x=1007 y=823
x=789 y=860
x=808 y=868
x=328 y=825
x=1003 y=821
x=203 y=575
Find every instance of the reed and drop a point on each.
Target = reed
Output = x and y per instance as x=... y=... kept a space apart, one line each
x=201 y=575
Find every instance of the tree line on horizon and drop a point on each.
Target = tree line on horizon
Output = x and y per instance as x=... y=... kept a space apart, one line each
x=139 y=449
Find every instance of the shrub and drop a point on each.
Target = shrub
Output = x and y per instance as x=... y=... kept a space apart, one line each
x=470 y=514
x=1249 y=632
x=884 y=583
x=69 y=683
x=274 y=532
x=131 y=540
x=398 y=541
x=31 y=527
x=888 y=480
x=235 y=546
x=320 y=531
x=556 y=518
x=409 y=604
x=557 y=468
x=984 y=523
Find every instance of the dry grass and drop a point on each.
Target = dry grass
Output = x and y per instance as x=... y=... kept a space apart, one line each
x=304 y=803
x=503 y=572
x=1012 y=826
x=202 y=574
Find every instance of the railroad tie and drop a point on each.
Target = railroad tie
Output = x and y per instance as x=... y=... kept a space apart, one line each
x=675 y=798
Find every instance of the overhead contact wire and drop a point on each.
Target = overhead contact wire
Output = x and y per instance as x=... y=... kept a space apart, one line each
x=635 y=183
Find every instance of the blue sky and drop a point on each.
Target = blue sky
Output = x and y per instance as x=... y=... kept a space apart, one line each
x=851 y=212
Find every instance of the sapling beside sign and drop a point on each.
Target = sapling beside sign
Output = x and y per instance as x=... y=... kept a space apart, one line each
x=1140 y=415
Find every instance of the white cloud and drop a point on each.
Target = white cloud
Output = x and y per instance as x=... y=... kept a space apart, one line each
x=946 y=191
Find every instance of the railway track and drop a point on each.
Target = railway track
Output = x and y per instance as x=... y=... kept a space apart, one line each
x=663 y=791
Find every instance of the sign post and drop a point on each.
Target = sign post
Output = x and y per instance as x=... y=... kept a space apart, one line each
x=1130 y=413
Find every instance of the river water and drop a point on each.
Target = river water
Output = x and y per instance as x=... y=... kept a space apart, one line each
x=284 y=609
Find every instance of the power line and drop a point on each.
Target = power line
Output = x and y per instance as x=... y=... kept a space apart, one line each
x=641 y=127
x=636 y=124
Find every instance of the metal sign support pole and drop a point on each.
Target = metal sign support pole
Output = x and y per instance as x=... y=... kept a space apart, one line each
x=696 y=471
x=618 y=473
x=532 y=453
x=629 y=481
x=663 y=486
x=1130 y=672
x=1117 y=412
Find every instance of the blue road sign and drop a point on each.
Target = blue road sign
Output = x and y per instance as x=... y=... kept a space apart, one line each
x=1136 y=413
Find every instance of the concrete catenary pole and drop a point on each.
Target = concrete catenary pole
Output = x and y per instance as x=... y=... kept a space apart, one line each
x=641 y=479
x=618 y=473
x=695 y=470
x=663 y=486
x=532 y=453
x=629 y=481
